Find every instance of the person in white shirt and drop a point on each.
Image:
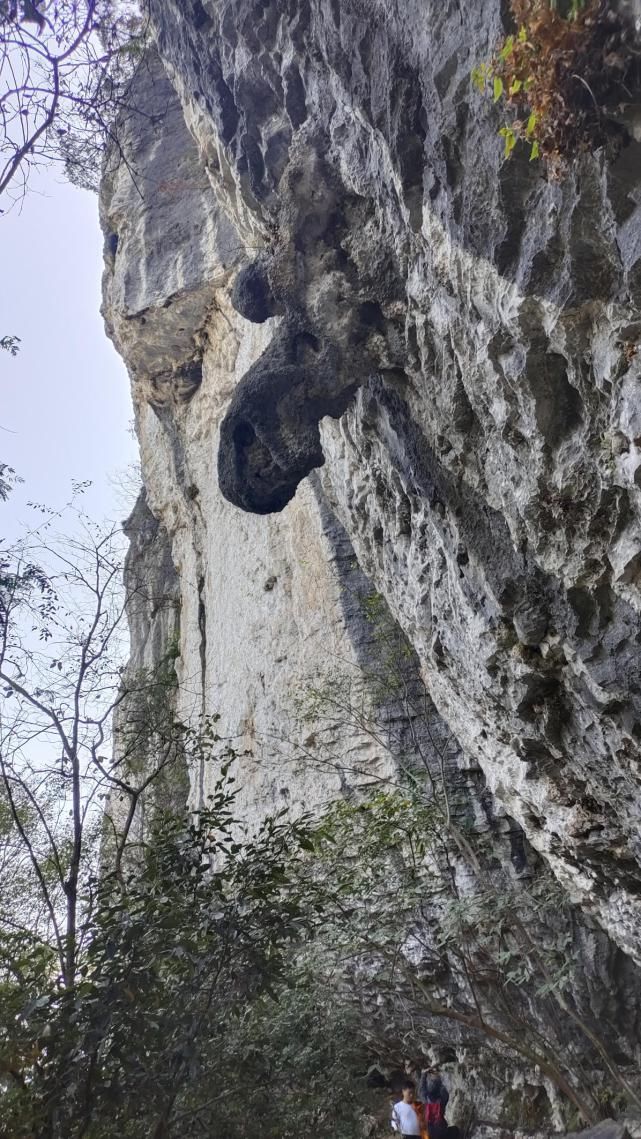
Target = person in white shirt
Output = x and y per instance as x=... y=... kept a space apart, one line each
x=404 y=1118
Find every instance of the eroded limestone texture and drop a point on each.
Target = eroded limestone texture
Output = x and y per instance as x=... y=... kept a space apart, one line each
x=331 y=266
x=489 y=479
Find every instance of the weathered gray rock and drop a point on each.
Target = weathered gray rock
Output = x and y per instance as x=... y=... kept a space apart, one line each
x=607 y=1129
x=487 y=476
x=152 y=588
x=152 y=592
x=164 y=261
x=474 y=325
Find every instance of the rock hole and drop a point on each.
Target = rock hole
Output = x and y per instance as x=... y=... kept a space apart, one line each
x=558 y=405
x=584 y=608
x=306 y=347
x=370 y=314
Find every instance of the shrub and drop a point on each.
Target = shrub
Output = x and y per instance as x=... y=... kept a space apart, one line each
x=563 y=72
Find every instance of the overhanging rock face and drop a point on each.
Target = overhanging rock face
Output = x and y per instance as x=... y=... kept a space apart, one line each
x=343 y=275
x=488 y=471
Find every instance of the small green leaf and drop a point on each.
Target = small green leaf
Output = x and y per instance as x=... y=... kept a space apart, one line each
x=515 y=86
x=507 y=49
x=531 y=126
x=522 y=36
x=498 y=88
x=534 y=153
x=509 y=137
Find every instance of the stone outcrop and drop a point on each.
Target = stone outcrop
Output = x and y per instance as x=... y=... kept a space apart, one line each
x=260 y=601
x=317 y=260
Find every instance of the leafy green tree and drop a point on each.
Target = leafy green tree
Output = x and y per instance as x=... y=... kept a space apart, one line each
x=300 y=1060
x=63 y=645
x=147 y=972
x=182 y=976
x=195 y=1010
x=68 y=799
x=179 y=945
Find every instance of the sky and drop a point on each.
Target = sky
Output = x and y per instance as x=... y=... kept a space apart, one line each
x=65 y=408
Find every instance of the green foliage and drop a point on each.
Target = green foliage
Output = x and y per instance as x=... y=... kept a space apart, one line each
x=559 y=74
x=298 y=1060
x=226 y=977
x=143 y=954
x=178 y=950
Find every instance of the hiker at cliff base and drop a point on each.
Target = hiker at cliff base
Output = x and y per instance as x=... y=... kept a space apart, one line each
x=434 y=1095
x=406 y=1119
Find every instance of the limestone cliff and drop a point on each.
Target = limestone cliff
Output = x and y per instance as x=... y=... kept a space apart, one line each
x=317 y=259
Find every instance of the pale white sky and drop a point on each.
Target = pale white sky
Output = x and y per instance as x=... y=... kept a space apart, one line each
x=65 y=408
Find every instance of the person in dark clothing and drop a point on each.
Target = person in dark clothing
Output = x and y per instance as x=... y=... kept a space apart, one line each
x=438 y=1129
x=432 y=1088
x=435 y=1096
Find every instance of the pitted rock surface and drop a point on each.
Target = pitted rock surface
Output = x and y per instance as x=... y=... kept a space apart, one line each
x=349 y=279
x=489 y=481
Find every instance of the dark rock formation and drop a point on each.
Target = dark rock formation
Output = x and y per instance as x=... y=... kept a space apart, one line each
x=270 y=437
x=252 y=295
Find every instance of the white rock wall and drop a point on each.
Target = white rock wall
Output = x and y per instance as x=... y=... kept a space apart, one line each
x=260 y=601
